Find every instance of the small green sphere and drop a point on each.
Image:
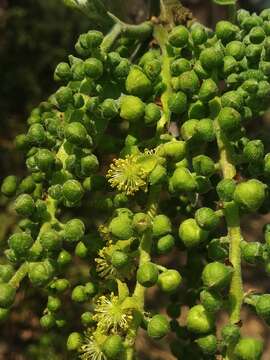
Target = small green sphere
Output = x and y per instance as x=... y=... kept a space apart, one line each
x=169 y=281
x=248 y=349
x=45 y=159
x=119 y=259
x=225 y=189
x=236 y=49
x=7 y=295
x=198 y=34
x=232 y=99
x=147 y=274
x=208 y=90
x=183 y=180
x=152 y=114
x=175 y=150
x=93 y=68
x=6 y=272
x=177 y=103
x=161 y=225
x=226 y=31
x=121 y=227
x=158 y=327
x=40 y=273
x=137 y=83
x=132 y=108
x=20 y=243
x=189 y=82
x=47 y=321
x=76 y=133
x=165 y=244
x=257 y=35
x=9 y=185
x=51 y=241
x=72 y=191
x=211 y=58
x=205 y=130
x=263 y=306
x=179 y=66
x=64 y=97
x=113 y=347
x=199 y=321
x=208 y=344
x=230 y=334
x=229 y=119
x=216 y=275
x=206 y=218
x=211 y=300
x=74 y=341
x=191 y=234
x=78 y=294
x=250 y=195
x=252 y=252
x=179 y=36
x=4 y=313
x=254 y=151
x=141 y=222
x=54 y=303
x=25 y=205
x=74 y=230
x=203 y=165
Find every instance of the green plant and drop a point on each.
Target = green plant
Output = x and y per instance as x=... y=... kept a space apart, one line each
x=111 y=183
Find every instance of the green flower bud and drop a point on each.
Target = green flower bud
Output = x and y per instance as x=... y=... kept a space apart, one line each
x=165 y=244
x=211 y=58
x=94 y=38
x=218 y=249
x=9 y=185
x=207 y=344
x=62 y=72
x=178 y=37
x=249 y=349
x=225 y=189
x=44 y=159
x=81 y=250
x=203 y=165
x=89 y=164
x=93 y=68
x=251 y=86
x=199 y=321
x=229 y=119
x=189 y=129
x=7 y=295
x=169 y=281
x=198 y=34
x=177 y=103
x=113 y=347
x=158 y=175
x=230 y=334
x=183 y=180
x=78 y=74
x=60 y=285
x=189 y=82
x=200 y=71
x=226 y=31
x=132 y=108
x=152 y=68
x=263 y=89
x=90 y=289
x=141 y=222
x=54 y=303
x=236 y=49
x=205 y=130
x=197 y=110
x=211 y=301
x=253 y=53
x=242 y=14
x=4 y=313
x=121 y=70
x=208 y=90
x=250 y=195
x=74 y=341
x=267 y=164
x=47 y=321
x=121 y=227
x=6 y=272
x=78 y=294
x=191 y=234
x=161 y=225
x=257 y=35
x=203 y=184
x=230 y=66
x=216 y=275
x=76 y=133
x=137 y=83
x=252 y=252
x=40 y=273
x=175 y=150
x=20 y=243
x=179 y=66
x=64 y=97
x=265 y=14
x=158 y=327
x=232 y=99
x=152 y=114
x=27 y=185
x=119 y=259
x=262 y=306
x=36 y=134
x=64 y=258
x=147 y=274
x=74 y=230
x=87 y=319
x=24 y=205
x=206 y=218
x=72 y=191
x=109 y=108
x=51 y=241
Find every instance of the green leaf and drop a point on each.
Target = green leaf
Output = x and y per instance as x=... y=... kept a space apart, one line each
x=130 y=303
x=225 y=2
x=94 y=10
x=123 y=291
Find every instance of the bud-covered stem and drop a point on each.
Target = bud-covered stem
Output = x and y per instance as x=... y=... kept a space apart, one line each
x=231 y=211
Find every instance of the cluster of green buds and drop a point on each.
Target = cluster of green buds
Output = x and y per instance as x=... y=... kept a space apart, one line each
x=145 y=151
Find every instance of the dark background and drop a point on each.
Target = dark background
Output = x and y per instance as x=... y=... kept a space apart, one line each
x=34 y=36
